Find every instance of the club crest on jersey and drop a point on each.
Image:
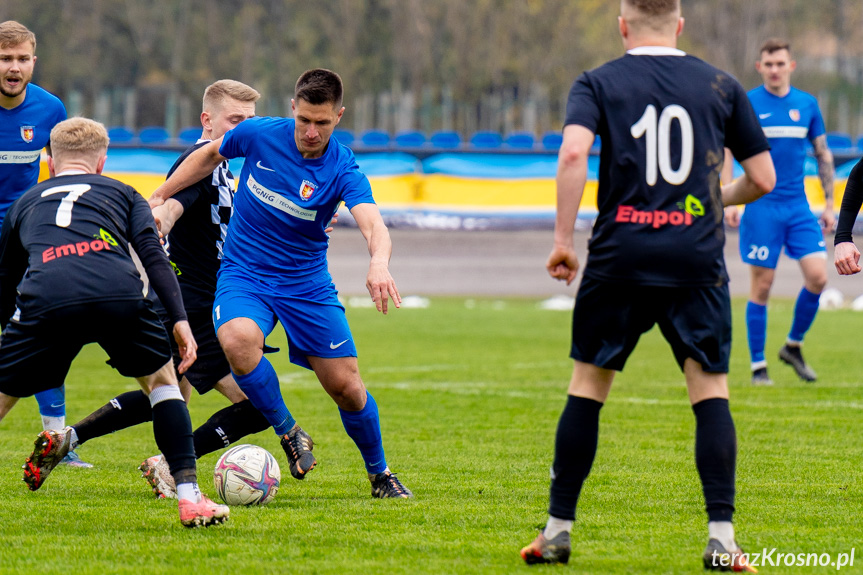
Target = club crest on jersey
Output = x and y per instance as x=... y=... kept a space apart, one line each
x=27 y=133
x=794 y=115
x=307 y=188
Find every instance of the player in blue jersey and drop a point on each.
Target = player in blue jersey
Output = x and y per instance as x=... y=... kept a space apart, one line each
x=656 y=252
x=275 y=268
x=791 y=120
x=27 y=115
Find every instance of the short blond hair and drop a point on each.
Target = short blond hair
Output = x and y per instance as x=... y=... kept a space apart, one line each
x=653 y=15
x=13 y=33
x=218 y=92
x=78 y=137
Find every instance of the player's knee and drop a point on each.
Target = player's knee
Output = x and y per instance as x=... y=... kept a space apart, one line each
x=816 y=283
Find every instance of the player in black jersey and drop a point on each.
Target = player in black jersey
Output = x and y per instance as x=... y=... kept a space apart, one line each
x=656 y=253
x=67 y=278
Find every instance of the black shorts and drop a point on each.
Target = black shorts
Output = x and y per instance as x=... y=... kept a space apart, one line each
x=211 y=365
x=36 y=352
x=610 y=317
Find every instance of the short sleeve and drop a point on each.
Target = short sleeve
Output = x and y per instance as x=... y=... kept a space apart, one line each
x=744 y=135
x=236 y=142
x=816 y=125
x=355 y=186
x=582 y=107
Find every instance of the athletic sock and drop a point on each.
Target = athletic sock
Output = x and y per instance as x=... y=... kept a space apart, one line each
x=722 y=531
x=125 y=410
x=574 y=450
x=261 y=386
x=52 y=408
x=716 y=456
x=364 y=427
x=227 y=426
x=172 y=429
x=189 y=491
x=756 y=331
x=804 y=314
x=555 y=526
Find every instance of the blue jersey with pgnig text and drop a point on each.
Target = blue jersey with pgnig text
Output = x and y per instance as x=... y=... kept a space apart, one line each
x=24 y=131
x=284 y=201
x=790 y=123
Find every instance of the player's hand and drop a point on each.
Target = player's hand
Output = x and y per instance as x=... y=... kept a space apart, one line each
x=828 y=220
x=732 y=216
x=846 y=258
x=333 y=222
x=155 y=201
x=188 y=345
x=562 y=264
x=382 y=287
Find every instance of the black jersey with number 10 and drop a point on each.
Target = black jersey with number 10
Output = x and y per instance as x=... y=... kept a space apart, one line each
x=664 y=118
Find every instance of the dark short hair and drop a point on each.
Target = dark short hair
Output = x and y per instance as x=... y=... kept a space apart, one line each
x=319 y=86
x=774 y=45
x=654 y=8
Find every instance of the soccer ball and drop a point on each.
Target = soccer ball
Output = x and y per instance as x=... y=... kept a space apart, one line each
x=831 y=298
x=247 y=475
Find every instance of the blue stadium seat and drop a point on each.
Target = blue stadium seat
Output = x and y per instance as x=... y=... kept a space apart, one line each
x=189 y=135
x=446 y=140
x=120 y=135
x=520 y=141
x=486 y=140
x=839 y=141
x=597 y=144
x=375 y=139
x=410 y=139
x=551 y=141
x=345 y=137
x=154 y=135
x=859 y=143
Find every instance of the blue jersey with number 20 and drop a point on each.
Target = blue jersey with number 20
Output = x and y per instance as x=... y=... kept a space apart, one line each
x=284 y=201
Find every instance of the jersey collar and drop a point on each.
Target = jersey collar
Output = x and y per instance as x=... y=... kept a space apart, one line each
x=655 y=51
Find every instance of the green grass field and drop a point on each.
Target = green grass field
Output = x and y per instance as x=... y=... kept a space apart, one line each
x=469 y=397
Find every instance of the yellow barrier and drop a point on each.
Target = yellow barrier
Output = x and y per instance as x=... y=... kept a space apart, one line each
x=458 y=193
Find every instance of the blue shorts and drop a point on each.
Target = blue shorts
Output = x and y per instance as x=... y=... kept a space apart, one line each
x=310 y=313
x=767 y=226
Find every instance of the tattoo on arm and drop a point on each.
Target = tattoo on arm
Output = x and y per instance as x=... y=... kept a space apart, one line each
x=825 y=167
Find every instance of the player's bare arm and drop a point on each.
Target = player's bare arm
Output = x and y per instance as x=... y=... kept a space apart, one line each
x=826 y=171
x=197 y=166
x=379 y=282
x=726 y=175
x=166 y=215
x=758 y=179
x=562 y=263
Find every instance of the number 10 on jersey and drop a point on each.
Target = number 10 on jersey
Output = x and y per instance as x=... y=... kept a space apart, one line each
x=658 y=140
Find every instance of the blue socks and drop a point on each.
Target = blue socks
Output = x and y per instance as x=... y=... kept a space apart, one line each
x=756 y=330
x=52 y=402
x=364 y=428
x=804 y=314
x=261 y=385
